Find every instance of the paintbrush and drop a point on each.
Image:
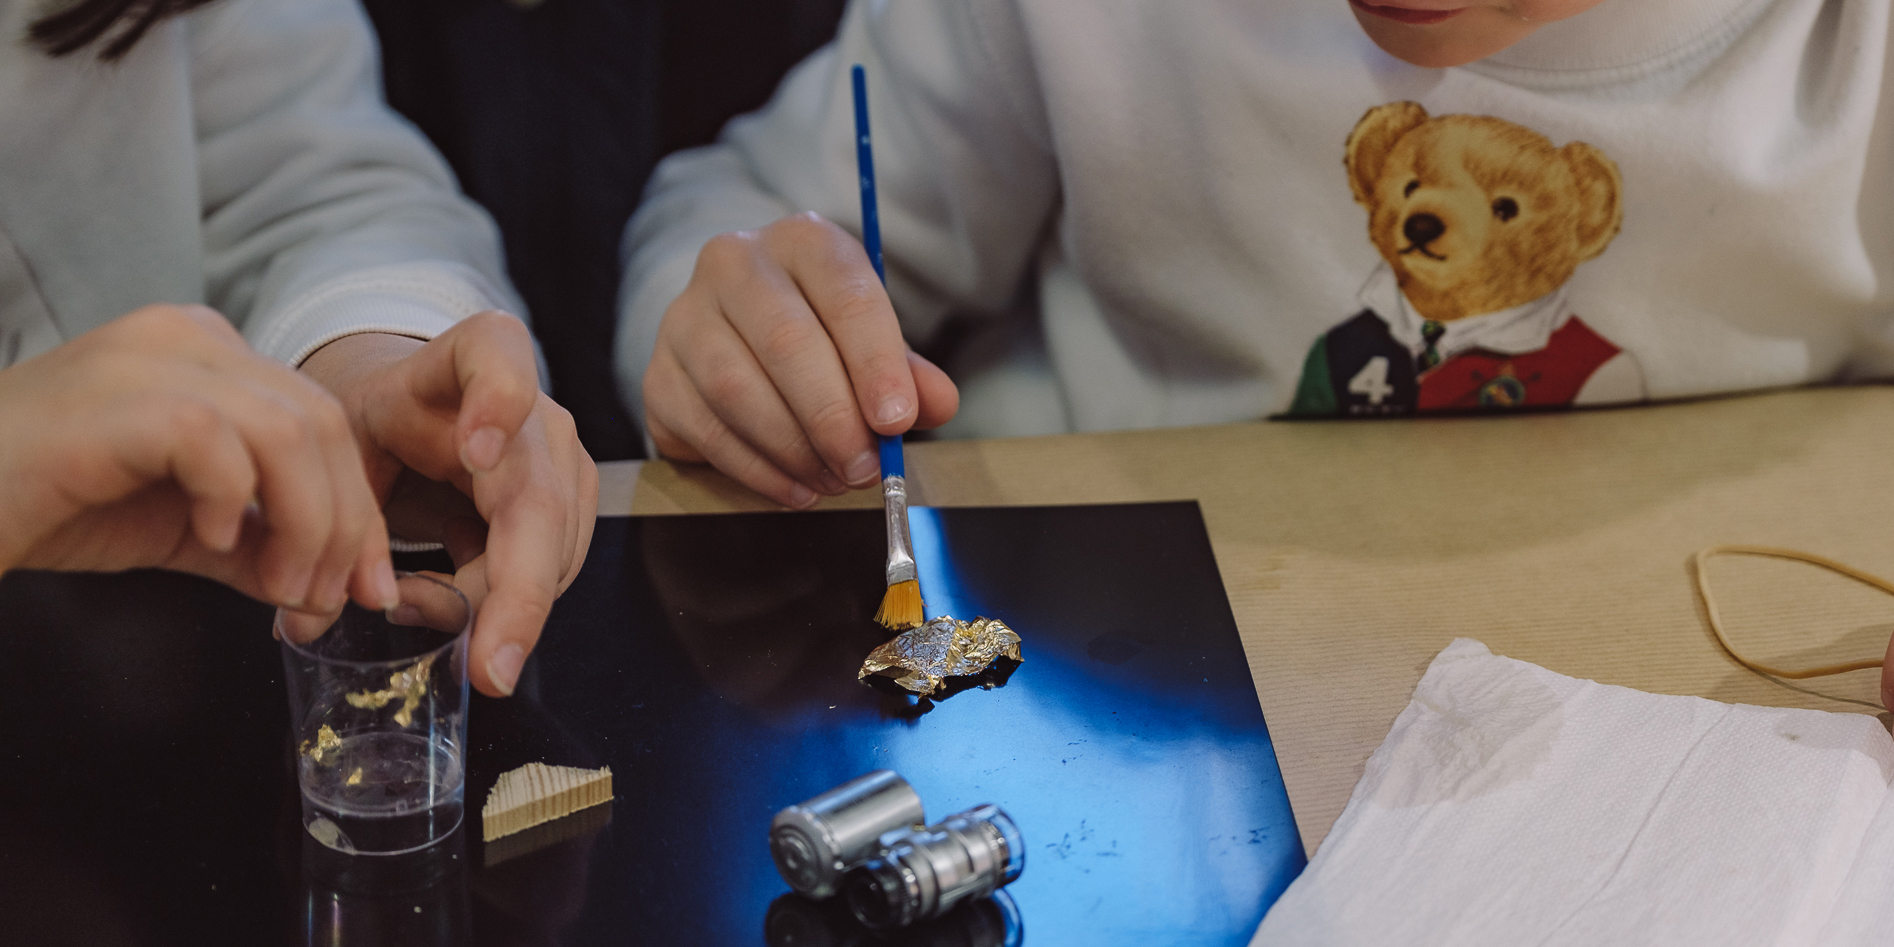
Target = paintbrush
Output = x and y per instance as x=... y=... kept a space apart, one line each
x=901 y=607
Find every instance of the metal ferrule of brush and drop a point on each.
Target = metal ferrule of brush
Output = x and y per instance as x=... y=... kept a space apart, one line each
x=894 y=495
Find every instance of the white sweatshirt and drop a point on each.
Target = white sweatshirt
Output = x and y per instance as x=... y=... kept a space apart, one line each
x=1146 y=205
x=240 y=156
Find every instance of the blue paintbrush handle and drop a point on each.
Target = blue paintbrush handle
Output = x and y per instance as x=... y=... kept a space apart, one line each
x=891 y=464
x=865 y=164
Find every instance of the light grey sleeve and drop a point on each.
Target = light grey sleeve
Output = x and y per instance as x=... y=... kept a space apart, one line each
x=324 y=213
x=963 y=166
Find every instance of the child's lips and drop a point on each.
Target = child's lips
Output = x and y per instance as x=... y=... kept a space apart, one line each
x=1405 y=15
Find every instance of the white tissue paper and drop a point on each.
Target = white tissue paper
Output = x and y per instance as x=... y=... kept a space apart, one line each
x=1513 y=806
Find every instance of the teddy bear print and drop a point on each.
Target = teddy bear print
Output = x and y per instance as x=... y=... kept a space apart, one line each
x=1479 y=223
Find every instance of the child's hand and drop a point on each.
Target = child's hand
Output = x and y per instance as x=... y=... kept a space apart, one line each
x=162 y=440
x=781 y=361
x=464 y=450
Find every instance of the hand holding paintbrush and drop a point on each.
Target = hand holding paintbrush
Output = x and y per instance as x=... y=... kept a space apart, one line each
x=901 y=607
x=782 y=360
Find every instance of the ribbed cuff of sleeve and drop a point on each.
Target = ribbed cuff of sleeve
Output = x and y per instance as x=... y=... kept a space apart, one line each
x=420 y=300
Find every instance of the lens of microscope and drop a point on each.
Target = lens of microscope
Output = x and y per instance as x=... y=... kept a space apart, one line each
x=814 y=842
x=926 y=872
x=877 y=895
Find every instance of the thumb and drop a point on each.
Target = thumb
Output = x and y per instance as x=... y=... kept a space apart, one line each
x=491 y=370
x=940 y=398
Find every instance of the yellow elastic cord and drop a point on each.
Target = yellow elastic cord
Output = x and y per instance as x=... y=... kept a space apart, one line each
x=1716 y=621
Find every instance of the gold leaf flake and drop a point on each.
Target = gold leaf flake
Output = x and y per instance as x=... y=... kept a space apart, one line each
x=920 y=658
x=409 y=684
x=326 y=743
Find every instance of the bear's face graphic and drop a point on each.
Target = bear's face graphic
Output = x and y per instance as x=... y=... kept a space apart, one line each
x=1477 y=214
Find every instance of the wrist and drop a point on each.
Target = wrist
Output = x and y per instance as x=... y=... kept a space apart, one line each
x=340 y=364
x=353 y=369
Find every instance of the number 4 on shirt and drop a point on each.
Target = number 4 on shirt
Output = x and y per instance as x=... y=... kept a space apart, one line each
x=1372 y=381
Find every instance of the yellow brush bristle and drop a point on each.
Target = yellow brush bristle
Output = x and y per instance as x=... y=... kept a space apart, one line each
x=901 y=607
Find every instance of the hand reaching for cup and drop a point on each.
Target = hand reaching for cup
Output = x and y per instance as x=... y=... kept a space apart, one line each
x=162 y=440
x=462 y=448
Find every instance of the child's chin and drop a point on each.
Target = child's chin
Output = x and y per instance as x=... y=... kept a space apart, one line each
x=1471 y=36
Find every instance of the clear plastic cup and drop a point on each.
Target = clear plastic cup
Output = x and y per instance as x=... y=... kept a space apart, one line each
x=378 y=712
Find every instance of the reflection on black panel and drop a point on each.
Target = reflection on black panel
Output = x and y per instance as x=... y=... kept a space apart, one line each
x=711 y=663
x=796 y=921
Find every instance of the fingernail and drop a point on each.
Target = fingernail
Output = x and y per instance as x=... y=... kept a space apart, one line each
x=504 y=667
x=862 y=470
x=801 y=497
x=298 y=627
x=408 y=615
x=482 y=450
x=893 y=408
x=830 y=484
x=226 y=538
x=386 y=591
x=296 y=589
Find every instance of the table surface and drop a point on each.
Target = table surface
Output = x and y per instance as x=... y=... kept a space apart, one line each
x=1353 y=551
x=145 y=758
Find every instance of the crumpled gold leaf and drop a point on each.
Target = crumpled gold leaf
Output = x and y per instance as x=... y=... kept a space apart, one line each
x=409 y=684
x=325 y=742
x=928 y=653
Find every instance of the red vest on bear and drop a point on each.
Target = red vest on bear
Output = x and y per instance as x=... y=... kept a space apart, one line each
x=1548 y=377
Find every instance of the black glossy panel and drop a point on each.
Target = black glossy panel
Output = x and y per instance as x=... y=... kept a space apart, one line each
x=710 y=661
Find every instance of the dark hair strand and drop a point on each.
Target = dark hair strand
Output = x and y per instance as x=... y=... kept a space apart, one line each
x=84 y=22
